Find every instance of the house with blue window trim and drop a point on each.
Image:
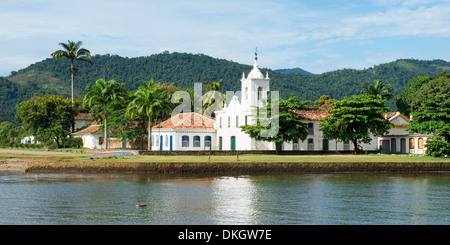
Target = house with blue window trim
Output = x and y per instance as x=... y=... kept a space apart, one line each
x=185 y=131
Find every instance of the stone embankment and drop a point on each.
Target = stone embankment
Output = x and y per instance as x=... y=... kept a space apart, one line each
x=235 y=167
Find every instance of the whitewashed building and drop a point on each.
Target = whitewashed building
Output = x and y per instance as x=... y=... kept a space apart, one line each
x=239 y=111
x=398 y=140
x=185 y=132
x=90 y=136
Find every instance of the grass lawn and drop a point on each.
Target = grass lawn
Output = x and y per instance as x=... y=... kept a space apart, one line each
x=241 y=158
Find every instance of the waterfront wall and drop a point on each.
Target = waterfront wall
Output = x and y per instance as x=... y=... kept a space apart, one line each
x=246 y=152
x=234 y=167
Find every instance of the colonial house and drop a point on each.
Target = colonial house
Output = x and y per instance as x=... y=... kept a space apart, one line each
x=83 y=120
x=90 y=136
x=398 y=140
x=315 y=140
x=185 y=131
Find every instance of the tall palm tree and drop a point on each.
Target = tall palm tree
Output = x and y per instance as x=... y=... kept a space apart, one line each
x=72 y=51
x=380 y=90
x=149 y=101
x=210 y=97
x=104 y=94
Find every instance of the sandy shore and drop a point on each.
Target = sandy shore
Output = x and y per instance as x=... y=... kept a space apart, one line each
x=13 y=163
x=19 y=163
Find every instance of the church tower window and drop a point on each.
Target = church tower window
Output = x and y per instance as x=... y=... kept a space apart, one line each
x=259 y=93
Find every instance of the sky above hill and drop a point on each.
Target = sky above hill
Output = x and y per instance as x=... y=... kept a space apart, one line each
x=318 y=36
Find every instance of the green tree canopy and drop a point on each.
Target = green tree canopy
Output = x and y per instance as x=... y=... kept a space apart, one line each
x=421 y=89
x=72 y=51
x=49 y=118
x=290 y=125
x=355 y=119
x=380 y=90
x=433 y=117
x=101 y=96
x=430 y=91
x=8 y=132
x=149 y=102
x=404 y=99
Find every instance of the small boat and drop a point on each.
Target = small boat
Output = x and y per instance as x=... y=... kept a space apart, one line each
x=113 y=154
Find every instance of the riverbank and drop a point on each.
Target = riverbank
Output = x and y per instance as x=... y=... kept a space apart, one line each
x=36 y=166
x=49 y=161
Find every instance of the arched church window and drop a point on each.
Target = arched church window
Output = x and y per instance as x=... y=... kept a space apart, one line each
x=246 y=93
x=260 y=93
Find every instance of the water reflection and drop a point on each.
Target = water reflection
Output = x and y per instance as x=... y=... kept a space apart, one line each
x=234 y=200
x=208 y=199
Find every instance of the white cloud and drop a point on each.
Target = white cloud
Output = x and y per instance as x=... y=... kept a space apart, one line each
x=285 y=32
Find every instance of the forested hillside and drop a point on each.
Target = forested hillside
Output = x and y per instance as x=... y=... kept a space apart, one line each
x=51 y=77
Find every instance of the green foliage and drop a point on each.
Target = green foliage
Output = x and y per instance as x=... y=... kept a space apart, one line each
x=290 y=126
x=49 y=117
x=72 y=51
x=430 y=90
x=355 y=119
x=437 y=147
x=380 y=90
x=8 y=132
x=101 y=97
x=149 y=101
x=183 y=70
x=405 y=98
x=433 y=117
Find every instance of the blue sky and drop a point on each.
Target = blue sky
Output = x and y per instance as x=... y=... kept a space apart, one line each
x=318 y=36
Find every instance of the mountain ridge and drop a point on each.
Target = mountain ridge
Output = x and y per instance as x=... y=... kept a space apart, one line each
x=184 y=69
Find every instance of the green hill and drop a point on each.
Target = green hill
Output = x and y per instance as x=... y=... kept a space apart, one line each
x=294 y=70
x=50 y=76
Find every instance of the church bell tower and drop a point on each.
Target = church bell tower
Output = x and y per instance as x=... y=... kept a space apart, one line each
x=255 y=86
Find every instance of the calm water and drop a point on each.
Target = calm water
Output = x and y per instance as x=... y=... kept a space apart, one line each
x=353 y=199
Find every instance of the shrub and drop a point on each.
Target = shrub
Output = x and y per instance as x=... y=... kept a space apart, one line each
x=437 y=147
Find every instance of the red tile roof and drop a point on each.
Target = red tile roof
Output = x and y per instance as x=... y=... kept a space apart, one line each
x=188 y=121
x=92 y=129
x=83 y=116
x=319 y=113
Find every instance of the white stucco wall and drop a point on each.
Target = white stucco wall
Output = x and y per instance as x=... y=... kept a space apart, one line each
x=90 y=141
x=177 y=137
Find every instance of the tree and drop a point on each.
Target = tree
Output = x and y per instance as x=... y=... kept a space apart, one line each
x=355 y=119
x=380 y=90
x=324 y=100
x=290 y=126
x=433 y=117
x=72 y=51
x=209 y=98
x=149 y=101
x=8 y=132
x=405 y=98
x=440 y=85
x=103 y=95
x=48 y=118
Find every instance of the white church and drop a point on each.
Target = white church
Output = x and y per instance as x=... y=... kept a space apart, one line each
x=223 y=132
x=226 y=133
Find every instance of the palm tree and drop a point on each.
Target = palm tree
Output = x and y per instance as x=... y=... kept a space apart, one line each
x=148 y=101
x=380 y=90
x=73 y=52
x=103 y=94
x=210 y=97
